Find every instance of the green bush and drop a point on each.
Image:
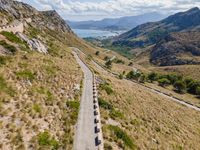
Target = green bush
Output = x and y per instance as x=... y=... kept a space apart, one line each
x=37 y=108
x=5 y=88
x=9 y=47
x=120 y=134
x=152 y=77
x=198 y=91
x=163 y=82
x=180 y=86
x=45 y=139
x=116 y=114
x=97 y=53
x=26 y=74
x=107 y=88
x=108 y=64
x=11 y=37
x=73 y=104
x=104 y=104
x=192 y=87
x=173 y=78
x=135 y=75
x=3 y=60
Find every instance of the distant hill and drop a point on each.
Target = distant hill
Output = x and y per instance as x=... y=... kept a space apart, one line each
x=150 y=33
x=178 y=48
x=123 y=23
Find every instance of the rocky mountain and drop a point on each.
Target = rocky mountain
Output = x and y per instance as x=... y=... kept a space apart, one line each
x=123 y=23
x=177 y=49
x=150 y=33
x=38 y=78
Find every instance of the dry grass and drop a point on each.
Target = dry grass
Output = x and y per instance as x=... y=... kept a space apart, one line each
x=150 y=120
x=42 y=84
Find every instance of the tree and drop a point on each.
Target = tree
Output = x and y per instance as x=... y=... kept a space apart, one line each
x=198 y=91
x=108 y=64
x=152 y=76
x=173 y=78
x=143 y=78
x=192 y=87
x=163 y=82
x=133 y=75
x=180 y=86
x=97 y=53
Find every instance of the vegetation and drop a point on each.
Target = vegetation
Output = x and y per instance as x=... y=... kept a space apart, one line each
x=9 y=47
x=163 y=82
x=11 y=37
x=107 y=87
x=108 y=64
x=25 y=74
x=104 y=104
x=45 y=139
x=122 y=135
x=3 y=60
x=5 y=88
x=180 y=86
x=97 y=53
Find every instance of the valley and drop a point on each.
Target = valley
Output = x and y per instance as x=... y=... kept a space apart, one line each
x=136 y=90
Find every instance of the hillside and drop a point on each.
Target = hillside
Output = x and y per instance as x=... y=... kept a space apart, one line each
x=123 y=23
x=177 y=49
x=150 y=33
x=40 y=80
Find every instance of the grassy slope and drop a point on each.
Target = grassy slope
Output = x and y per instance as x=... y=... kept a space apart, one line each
x=37 y=94
x=151 y=121
x=134 y=118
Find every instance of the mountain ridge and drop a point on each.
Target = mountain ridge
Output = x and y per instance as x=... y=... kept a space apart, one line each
x=122 y=23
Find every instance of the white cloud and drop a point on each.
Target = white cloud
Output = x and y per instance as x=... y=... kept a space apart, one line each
x=115 y=7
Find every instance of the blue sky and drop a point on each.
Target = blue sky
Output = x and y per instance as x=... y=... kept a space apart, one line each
x=98 y=9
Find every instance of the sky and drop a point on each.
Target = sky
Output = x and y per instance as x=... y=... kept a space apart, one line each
x=79 y=10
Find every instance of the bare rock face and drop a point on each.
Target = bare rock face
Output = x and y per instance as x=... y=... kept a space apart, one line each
x=34 y=44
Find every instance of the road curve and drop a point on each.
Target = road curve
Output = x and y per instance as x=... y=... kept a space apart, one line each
x=85 y=136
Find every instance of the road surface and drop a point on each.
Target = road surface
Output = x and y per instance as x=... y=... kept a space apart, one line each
x=85 y=136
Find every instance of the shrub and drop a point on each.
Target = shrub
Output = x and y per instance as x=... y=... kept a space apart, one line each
x=121 y=76
x=192 y=87
x=152 y=77
x=44 y=139
x=116 y=114
x=5 y=88
x=2 y=60
x=143 y=78
x=26 y=74
x=120 y=134
x=135 y=75
x=180 y=86
x=11 y=37
x=73 y=104
x=104 y=104
x=163 y=82
x=107 y=88
x=9 y=47
x=108 y=64
x=37 y=108
x=97 y=53
x=198 y=91
x=173 y=78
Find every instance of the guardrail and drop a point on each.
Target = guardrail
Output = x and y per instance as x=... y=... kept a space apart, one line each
x=18 y=27
x=98 y=128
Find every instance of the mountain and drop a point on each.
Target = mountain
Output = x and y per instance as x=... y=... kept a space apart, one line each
x=39 y=78
x=123 y=23
x=178 y=48
x=164 y=37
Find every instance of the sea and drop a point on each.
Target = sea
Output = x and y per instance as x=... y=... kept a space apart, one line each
x=88 y=33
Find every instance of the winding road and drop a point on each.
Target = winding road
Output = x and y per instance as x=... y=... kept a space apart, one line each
x=85 y=136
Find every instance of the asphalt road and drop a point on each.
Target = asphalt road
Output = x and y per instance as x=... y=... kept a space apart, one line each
x=85 y=136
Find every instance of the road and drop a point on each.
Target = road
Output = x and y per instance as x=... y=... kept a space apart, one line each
x=85 y=136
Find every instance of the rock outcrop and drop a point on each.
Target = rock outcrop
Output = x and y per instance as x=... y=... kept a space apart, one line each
x=34 y=44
